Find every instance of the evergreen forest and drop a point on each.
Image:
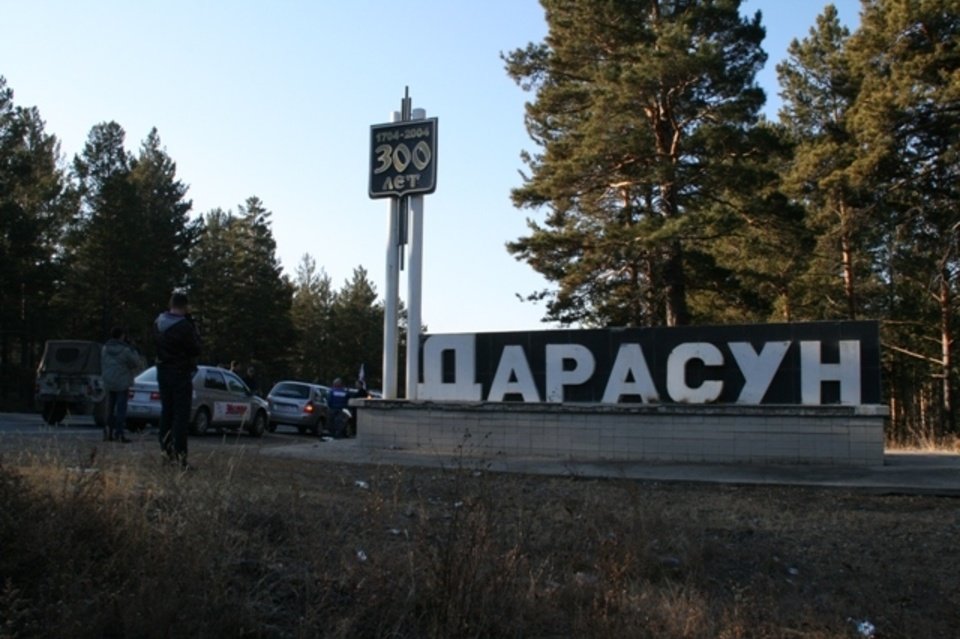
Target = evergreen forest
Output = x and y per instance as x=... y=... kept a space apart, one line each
x=657 y=194
x=660 y=195
x=103 y=241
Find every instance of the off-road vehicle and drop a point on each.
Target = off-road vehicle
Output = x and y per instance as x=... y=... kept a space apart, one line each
x=69 y=382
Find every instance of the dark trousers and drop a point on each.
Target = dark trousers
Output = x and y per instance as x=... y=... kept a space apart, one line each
x=116 y=413
x=176 y=395
x=338 y=425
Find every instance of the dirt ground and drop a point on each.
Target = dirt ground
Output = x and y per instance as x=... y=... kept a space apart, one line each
x=776 y=561
x=417 y=552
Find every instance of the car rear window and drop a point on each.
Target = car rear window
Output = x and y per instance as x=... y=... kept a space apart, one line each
x=147 y=376
x=298 y=391
x=67 y=355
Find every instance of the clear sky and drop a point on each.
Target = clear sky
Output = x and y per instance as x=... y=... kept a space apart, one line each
x=276 y=98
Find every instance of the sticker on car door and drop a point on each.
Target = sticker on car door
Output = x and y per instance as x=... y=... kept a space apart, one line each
x=229 y=411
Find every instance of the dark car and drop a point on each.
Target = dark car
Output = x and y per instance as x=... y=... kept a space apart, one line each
x=298 y=404
x=69 y=382
x=220 y=400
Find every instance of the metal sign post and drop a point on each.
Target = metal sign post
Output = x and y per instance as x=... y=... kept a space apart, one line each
x=403 y=167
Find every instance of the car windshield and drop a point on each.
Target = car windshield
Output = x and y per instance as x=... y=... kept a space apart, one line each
x=298 y=391
x=148 y=376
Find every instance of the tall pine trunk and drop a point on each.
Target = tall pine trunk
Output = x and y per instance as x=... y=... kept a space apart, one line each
x=676 y=290
x=846 y=249
x=946 y=352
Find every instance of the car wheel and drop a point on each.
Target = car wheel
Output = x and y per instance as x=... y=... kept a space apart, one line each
x=258 y=425
x=54 y=412
x=201 y=422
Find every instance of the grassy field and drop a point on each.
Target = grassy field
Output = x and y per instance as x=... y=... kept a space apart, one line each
x=109 y=542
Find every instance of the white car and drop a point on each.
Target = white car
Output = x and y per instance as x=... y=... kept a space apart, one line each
x=298 y=404
x=221 y=400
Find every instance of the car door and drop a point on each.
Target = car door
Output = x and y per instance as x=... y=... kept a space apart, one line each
x=320 y=392
x=237 y=405
x=215 y=396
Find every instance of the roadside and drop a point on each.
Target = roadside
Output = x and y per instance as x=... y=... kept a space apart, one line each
x=903 y=472
x=317 y=538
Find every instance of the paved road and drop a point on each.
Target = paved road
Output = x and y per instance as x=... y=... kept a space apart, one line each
x=902 y=472
x=27 y=429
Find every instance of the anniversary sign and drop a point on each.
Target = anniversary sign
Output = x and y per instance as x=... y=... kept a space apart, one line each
x=803 y=363
x=403 y=158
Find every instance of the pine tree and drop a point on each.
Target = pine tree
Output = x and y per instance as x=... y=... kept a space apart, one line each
x=819 y=87
x=357 y=330
x=311 y=313
x=266 y=293
x=907 y=122
x=240 y=293
x=212 y=284
x=164 y=211
x=105 y=238
x=128 y=243
x=643 y=115
x=753 y=241
x=35 y=198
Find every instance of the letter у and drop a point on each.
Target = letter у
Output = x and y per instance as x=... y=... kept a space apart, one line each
x=758 y=370
x=464 y=386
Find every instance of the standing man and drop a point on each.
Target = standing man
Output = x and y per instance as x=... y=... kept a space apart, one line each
x=178 y=347
x=250 y=379
x=119 y=363
x=337 y=399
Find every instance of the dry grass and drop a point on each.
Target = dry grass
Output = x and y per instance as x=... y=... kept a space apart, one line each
x=112 y=544
x=926 y=443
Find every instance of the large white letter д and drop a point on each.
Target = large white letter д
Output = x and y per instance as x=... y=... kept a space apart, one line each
x=464 y=386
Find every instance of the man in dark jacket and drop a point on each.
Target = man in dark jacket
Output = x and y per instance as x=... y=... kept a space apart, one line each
x=178 y=347
x=337 y=399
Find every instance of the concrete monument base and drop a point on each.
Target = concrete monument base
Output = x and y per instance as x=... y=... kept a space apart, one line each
x=751 y=434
